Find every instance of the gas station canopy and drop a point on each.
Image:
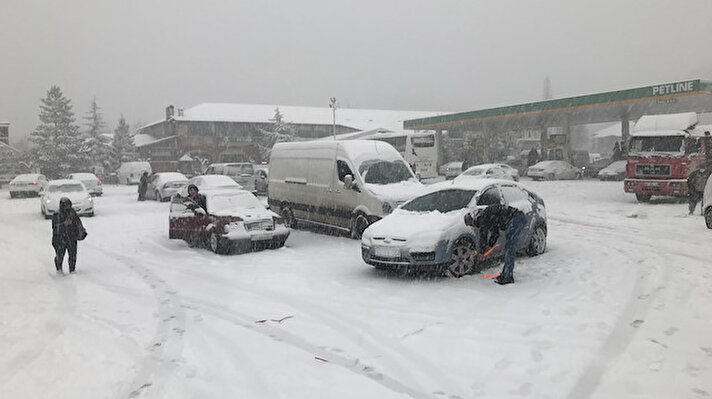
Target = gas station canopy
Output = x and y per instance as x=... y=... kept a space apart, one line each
x=622 y=105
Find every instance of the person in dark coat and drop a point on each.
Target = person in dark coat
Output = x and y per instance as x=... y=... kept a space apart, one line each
x=490 y=221
x=143 y=186
x=532 y=157
x=67 y=228
x=696 y=186
x=199 y=200
x=617 y=153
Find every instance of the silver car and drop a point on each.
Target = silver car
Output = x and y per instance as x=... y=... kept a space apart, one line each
x=91 y=182
x=162 y=185
x=554 y=170
x=27 y=184
x=82 y=201
x=428 y=233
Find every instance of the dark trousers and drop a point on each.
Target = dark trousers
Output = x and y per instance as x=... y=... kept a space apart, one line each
x=60 y=248
x=512 y=236
x=694 y=197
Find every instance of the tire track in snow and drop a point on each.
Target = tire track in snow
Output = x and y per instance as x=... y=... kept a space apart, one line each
x=165 y=347
x=375 y=342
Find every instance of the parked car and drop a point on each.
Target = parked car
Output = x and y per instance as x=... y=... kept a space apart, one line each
x=162 y=185
x=510 y=170
x=451 y=169
x=130 y=172
x=27 y=184
x=345 y=185
x=235 y=219
x=209 y=182
x=262 y=180
x=90 y=180
x=614 y=171
x=707 y=203
x=82 y=201
x=596 y=166
x=554 y=170
x=242 y=172
x=428 y=233
x=485 y=171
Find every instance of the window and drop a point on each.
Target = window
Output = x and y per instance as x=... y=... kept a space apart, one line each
x=420 y=142
x=343 y=170
x=491 y=196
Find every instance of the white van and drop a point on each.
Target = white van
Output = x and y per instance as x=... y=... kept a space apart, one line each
x=342 y=184
x=242 y=172
x=130 y=172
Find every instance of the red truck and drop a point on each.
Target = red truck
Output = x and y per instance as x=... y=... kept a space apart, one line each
x=663 y=150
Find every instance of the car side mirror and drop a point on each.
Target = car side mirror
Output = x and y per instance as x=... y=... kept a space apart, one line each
x=348 y=181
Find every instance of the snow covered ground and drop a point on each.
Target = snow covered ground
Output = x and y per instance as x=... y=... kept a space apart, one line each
x=618 y=307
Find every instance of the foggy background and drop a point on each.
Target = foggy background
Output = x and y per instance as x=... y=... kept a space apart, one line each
x=136 y=56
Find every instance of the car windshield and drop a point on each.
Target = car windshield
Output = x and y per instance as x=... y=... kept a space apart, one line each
x=670 y=144
x=228 y=202
x=236 y=170
x=442 y=201
x=378 y=171
x=66 y=188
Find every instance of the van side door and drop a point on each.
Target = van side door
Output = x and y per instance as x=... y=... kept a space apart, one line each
x=343 y=199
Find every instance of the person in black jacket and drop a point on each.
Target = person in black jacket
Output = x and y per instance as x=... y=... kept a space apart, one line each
x=67 y=228
x=490 y=221
x=193 y=237
x=143 y=186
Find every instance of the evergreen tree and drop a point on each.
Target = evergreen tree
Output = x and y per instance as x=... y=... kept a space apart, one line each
x=57 y=150
x=280 y=132
x=124 y=147
x=96 y=146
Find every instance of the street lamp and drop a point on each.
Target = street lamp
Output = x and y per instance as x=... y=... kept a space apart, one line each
x=333 y=106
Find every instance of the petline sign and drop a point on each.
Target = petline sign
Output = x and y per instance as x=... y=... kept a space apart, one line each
x=674 y=88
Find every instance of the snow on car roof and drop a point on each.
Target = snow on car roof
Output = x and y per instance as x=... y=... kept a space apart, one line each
x=59 y=182
x=84 y=176
x=171 y=176
x=681 y=121
x=214 y=180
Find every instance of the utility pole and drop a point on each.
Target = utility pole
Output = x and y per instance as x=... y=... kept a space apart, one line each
x=333 y=106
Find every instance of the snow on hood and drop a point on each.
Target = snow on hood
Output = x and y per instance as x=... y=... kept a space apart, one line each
x=421 y=230
x=397 y=192
x=246 y=214
x=75 y=196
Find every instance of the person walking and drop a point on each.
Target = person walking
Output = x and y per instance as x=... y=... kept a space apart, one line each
x=696 y=186
x=532 y=157
x=490 y=221
x=143 y=186
x=67 y=228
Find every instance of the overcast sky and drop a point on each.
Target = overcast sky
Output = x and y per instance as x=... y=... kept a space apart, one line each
x=138 y=56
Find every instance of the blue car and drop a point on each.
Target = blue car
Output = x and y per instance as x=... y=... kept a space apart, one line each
x=428 y=233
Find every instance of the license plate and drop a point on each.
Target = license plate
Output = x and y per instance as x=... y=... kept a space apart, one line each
x=261 y=237
x=387 y=252
x=650 y=184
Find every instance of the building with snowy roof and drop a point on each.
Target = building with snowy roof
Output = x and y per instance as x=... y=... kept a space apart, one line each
x=219 y=132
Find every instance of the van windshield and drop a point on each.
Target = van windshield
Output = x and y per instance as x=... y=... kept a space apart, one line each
x=378 y=171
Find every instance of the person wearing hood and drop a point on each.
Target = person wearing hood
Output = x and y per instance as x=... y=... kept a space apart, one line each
x=194 y=238
x=696 y=186
x=143 y=186
x=490 y=221
x=67 y=228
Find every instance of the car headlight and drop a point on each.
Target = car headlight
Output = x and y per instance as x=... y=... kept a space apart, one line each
x=48 y=201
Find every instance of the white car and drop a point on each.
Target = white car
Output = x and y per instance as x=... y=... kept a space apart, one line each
x=484 y=171
x=707 y=202
x=210 y=182
x=27 y=184
x=509 y=170
x=162 y=185
x=82 y=201
x=428 y=233
x=554 y=170
x=91 y=182
x=614 y=171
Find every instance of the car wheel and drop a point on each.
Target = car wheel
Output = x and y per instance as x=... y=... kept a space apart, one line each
x=549 y=176
x=288 y=217
x=708 y=217
x=463 y=260
x=359 y=223
x=537 y=243
x=643 y=197
x=216 y=244
x=12 y=195
x=91 y=214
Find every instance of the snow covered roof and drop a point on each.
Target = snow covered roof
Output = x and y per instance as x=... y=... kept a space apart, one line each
x=141 y=140
x=362 y=119
x=682 y=121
